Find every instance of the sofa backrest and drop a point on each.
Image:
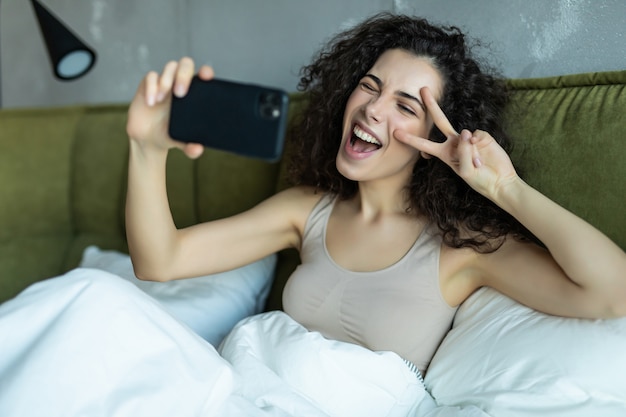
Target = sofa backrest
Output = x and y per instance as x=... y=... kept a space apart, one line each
x=36 y=153
x=63 y=173
x=570 y=144
x=63 y=185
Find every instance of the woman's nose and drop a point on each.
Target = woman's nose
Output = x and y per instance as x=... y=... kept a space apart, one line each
x=374 y=110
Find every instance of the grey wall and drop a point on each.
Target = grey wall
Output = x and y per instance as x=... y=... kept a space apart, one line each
x=535 y=38
x=268 y=41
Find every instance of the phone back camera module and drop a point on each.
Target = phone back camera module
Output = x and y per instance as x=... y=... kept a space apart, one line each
x=270 y=106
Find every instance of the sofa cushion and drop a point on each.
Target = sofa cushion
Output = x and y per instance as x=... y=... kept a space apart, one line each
x=571 y=146
x=25 y=260
x=98 y=180
x=228 y=184
x=35 y=219
x=35 y=156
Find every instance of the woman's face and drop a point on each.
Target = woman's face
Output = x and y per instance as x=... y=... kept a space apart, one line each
x=386 y=100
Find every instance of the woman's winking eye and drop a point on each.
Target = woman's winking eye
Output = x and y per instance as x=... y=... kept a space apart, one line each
x=406 y=109
x=367 y=86
x=372 y=84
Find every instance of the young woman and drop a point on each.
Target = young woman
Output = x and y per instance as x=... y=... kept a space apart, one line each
x=405 y=201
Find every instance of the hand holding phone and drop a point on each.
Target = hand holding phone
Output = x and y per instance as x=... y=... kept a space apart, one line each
x=244 y=119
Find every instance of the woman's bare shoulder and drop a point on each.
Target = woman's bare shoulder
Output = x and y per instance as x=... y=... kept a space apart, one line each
x=293 y=206
x=298 y=200
x=295 y=202
x=300 y=194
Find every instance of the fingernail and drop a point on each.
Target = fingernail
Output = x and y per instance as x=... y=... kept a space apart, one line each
x=477 y=162
x=179 y=90
x=150 y=100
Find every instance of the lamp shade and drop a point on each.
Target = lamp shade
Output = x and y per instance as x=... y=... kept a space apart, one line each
x=70 y=57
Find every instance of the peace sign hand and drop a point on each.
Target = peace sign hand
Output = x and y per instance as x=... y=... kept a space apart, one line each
x=474 y=156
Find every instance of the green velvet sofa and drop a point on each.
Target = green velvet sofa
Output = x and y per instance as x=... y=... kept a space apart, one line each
x=63 y=173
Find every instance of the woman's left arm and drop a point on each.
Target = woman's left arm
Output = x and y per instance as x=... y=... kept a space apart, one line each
x=583 y=272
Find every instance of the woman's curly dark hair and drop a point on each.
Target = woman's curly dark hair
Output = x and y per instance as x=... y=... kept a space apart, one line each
x=471 y=99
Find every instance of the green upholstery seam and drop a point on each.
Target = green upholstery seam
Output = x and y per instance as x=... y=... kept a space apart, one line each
x=608 y=78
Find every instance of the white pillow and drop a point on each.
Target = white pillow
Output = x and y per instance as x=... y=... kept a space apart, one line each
x=511 y=360
x=210 y=305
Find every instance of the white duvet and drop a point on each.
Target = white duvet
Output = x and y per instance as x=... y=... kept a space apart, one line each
x=91 y=344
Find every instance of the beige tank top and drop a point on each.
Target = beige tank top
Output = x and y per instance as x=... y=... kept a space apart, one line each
x=399 y=308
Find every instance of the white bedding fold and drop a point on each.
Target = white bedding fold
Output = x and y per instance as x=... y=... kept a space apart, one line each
x=340 y=379
x=91 y=344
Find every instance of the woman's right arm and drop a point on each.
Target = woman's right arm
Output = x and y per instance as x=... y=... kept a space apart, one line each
x=158 y=249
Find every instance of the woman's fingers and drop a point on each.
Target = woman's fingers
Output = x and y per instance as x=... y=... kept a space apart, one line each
x=149 y=110
x=193 y=150
x=151 y=88
x=479 y=138
x=166 y=80
x=467 y=154
x=444 y=151
x=175 y=77
x=206 y=72
x=419 y=143
x=459 y=150
x=184 y=75
x=438 y=116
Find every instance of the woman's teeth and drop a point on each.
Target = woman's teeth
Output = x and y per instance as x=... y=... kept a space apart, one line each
x=366 y=137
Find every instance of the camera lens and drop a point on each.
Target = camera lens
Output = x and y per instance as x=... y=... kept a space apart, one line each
x=269 y=106
x=270 y=111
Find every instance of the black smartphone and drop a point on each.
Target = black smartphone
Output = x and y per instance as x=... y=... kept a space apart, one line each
x=245 y=119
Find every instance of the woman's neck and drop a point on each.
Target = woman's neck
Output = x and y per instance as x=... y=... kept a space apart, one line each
x=378 y=199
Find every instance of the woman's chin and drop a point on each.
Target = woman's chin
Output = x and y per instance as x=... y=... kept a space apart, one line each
x=347 y=170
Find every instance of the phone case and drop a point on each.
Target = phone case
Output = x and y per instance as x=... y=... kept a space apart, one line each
x=245 y=119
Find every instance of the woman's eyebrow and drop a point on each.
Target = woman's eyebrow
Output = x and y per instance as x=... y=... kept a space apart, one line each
x=374 y=78
x=403 y=94
x=412 y=98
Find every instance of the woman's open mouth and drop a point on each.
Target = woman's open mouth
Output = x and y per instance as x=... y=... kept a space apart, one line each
x=363 y=142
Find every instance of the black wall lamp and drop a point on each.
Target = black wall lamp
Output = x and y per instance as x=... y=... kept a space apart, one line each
x=70 y=57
